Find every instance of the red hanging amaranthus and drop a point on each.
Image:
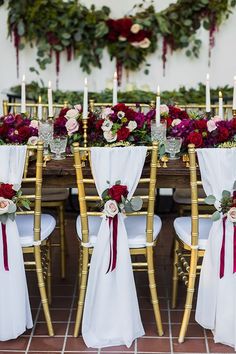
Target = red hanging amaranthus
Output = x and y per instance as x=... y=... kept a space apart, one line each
x=119 y=68
x=16 y=45
x=212 y=31
x=164 y=54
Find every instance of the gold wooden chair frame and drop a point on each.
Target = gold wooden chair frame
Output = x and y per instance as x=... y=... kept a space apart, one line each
x=188 y=257
x=147 y=252
x=47 y=197
x=39 y=253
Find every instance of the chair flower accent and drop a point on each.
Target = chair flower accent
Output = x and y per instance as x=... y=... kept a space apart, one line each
x=17 y=129
x=10 y=201
x=114 y=201
x=226 y=208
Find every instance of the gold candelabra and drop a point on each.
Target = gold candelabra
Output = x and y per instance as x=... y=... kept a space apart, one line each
x=85 y=129
x=234 y=113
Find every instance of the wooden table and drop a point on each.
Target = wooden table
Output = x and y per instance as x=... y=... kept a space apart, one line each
x=62 y=174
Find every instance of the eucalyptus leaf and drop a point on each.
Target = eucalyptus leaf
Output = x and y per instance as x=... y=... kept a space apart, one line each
x=105 y=193
x=234 y=186
x=210 y=200
x=12 y=216
x=11 y=208
x=3 y=218
x=136 y=203
x=226 y=194
x=215 y=216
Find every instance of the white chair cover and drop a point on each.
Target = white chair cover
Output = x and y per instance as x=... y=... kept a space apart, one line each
x=111 y=313
x=216 y=303
x=15 y=313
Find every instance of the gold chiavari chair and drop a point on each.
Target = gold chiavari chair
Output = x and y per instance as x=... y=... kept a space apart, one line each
x=190 y=243
x=227 y=109
x=142 y=106
x=34 y=230
x=52 y=198
x=149 y=227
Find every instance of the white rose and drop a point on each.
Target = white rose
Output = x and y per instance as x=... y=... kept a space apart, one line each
x=175 y=122
x=72 y=114
x=33 y=140
x=110 y=137
x=111 y=208
x=106 y=112
x=211 y=125
x=231 y=215
x=120 y=114
x=122 y=39
x=107 y=125
x=6 y=206
x=164 y=109
x=78 y=107
x=135 y=44
x=132 y=125
x=135 y=28
x=34 y=124
x=145 y=43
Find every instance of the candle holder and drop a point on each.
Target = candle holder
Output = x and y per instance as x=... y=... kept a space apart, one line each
x=234 y=113
x=91 y=105
x=85 y=129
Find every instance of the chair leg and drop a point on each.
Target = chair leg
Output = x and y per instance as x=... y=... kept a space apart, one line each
x=80 y=264
x=153 y=290
x=42 y=290
x=82 y=290
x=175 y=277
x=189 y=297
x=62 y=239
x=49 y=273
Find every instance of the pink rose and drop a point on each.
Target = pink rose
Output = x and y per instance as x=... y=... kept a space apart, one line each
x=175 y=122
x=109 y=136
x=145 y=43
x=72 y=126
x=106 y=112
x=111 y=208
x=6 y=206
x=211 y=125
x=164 y=109
x=216 y=119
x=34 y=124
x=231 y=215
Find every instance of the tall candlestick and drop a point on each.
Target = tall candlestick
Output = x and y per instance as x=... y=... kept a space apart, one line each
x=158 y=108
x=50 y=108
x=114 y=98
x=23 y=106
x=234 y=94
x=85 y=102
x=221 y=112
x=40 y=109
x=208 y=95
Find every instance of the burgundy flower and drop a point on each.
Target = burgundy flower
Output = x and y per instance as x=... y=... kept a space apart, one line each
x=10 y=119
x=223 y=134
x=200 y=124
x=117 y=191
x=6 y=191
x=24 y=133
x=122 y=134
x=196 y=139
x=63 y=112
x=60 y=126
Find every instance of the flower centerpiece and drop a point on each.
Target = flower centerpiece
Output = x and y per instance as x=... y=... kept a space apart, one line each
x=17 y=129
x=119 y=124
x=10 y=201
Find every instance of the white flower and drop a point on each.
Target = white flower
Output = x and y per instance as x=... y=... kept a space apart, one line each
x=33 y=140
x=107 y=125
x=122 y=39
x=78 y=107
x=34 y=123
x=132 y=125
x=110 y=137
x=111 y=208
x=216 y=119
x=6 y=206
x=135 y=28
x=72 y=126
x=145 y=43
x=72 y=114
x=211 y=125
x=120 y=114
x=175 y=122
x=106 y=112
x=164 y=109
x=231 y=215
x=135 y=44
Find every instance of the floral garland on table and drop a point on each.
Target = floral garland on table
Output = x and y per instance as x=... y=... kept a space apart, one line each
x=227 y=208
x=81 y=32
x=196 y=128
x=10 y=201
x=18 y=129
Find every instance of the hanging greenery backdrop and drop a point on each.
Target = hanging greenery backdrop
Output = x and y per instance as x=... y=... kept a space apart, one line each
x=56 y=26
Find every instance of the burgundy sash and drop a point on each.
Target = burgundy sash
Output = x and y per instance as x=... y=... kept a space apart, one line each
x=113 y=225
x=4 y=244
x=222 y=251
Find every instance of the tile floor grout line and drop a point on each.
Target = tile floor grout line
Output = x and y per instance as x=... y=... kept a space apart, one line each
x=206 y=341
x=33 y=329
x=70 y=315
x=169 y=325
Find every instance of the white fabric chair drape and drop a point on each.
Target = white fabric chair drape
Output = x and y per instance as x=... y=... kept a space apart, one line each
x=15 y=313
x=111 y=313
x=216 y=303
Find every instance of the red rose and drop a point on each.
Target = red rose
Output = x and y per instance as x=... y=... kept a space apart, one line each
x=138 y=37
x=233 y=123
x=99 y=123
x=122 y=133
x=24 y=133
x=63 y=112
x=117 y=191
x=18 y=120
x=201 y=124
x=120 y=107
x=124 y=25
x=196 y=139
x=223 y=134
x=6 y=191
x=3 y=131
x=168 y=122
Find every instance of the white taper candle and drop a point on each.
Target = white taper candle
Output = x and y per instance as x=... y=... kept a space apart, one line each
x=85 y=102
x=221 y=112
x=50 y=107
x=114 y=97
x=158 y=108
x=23 y=104
x=208 y=94
x=234 y=94
x=40 y=109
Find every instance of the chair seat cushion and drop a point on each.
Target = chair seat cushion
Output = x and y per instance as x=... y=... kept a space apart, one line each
x=50 y=194
x=183 y=195
x=182 y=227
x=135 y=227
x=25 y=224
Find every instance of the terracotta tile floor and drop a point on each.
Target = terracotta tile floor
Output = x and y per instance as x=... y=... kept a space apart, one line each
x=63 y=309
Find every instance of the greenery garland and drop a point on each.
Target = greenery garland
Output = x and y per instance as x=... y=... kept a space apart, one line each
x=57 y=26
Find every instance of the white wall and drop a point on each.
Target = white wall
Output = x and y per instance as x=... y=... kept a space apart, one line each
x=180 y=70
